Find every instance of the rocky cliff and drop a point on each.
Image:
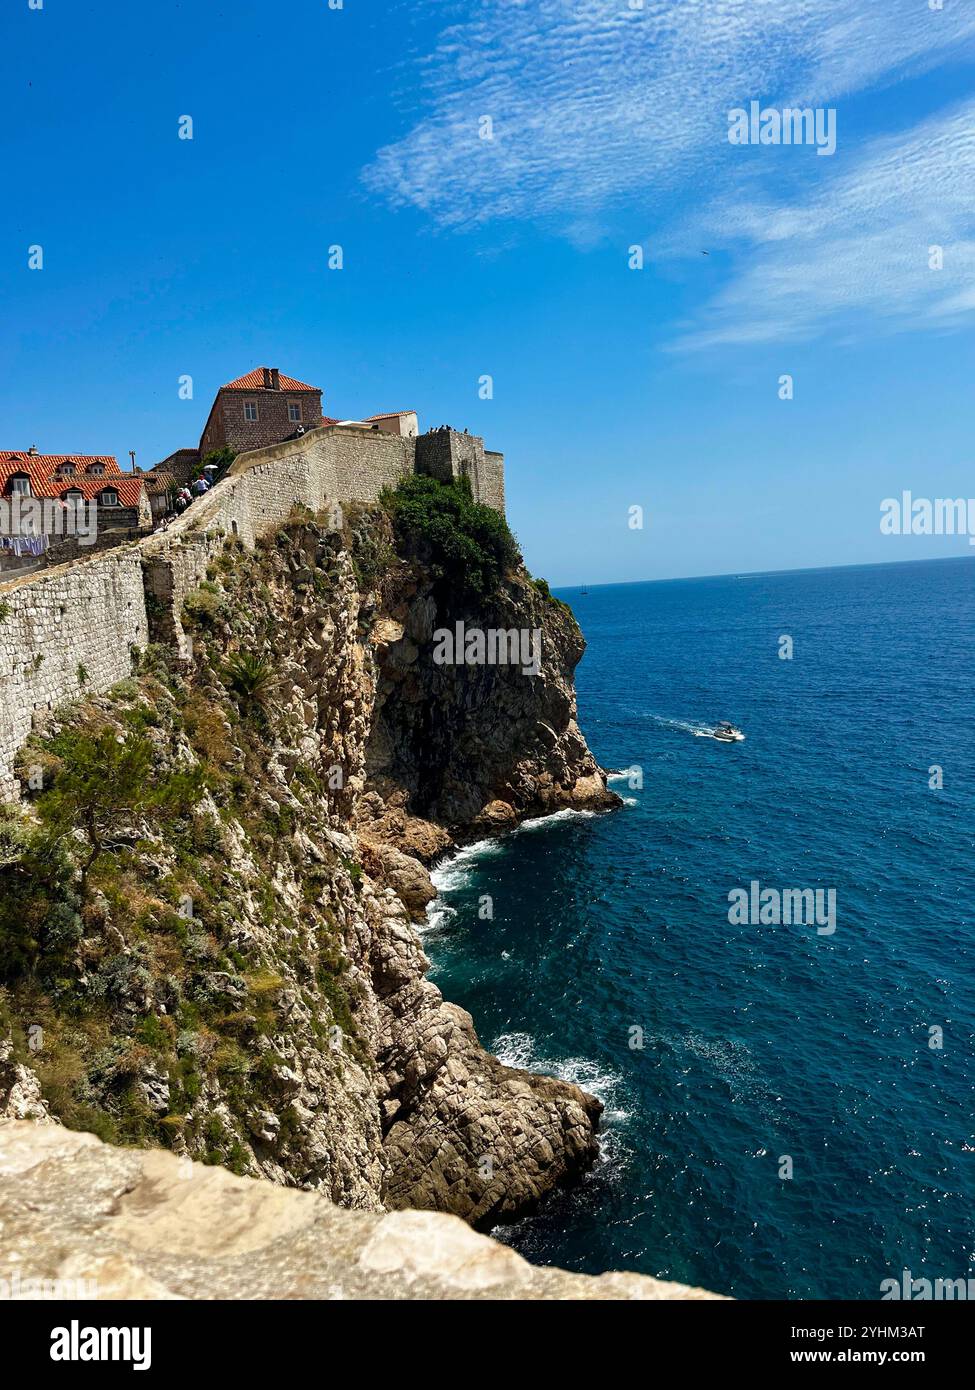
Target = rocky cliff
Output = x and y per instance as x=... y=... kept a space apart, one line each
x=223 y=958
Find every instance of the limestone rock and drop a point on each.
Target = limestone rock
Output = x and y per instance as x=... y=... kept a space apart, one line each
x=459 y=744
x=405 y=875
x=20 y=1090
x=328 y=1061
x=82 y=1219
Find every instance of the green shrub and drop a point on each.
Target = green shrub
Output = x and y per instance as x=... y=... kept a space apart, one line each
x=251 y=678
x=39 y=921
x=542 y=586
x=204 y=607
x=221 y=460
x=103 y=785
x=464 y=541
x=353 y=869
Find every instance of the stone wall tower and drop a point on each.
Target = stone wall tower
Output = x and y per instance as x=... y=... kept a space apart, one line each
x=446 y=454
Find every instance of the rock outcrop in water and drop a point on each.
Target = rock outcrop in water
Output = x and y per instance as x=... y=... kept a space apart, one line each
x=243 y=983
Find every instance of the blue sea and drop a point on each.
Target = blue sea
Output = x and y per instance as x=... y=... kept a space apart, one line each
x=729 y=1056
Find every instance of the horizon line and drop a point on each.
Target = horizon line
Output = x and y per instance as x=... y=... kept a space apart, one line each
x=759 y=574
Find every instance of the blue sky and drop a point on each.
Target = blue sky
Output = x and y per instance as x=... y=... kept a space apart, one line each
x=463 y=256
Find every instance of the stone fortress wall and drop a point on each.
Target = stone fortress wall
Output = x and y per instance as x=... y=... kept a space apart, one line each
x=72 y=630
x=63 y=633
x=447 y=454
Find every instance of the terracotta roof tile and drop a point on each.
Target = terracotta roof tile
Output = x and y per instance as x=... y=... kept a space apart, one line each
x=254 y=381
x=45 y=481
x=128 y=487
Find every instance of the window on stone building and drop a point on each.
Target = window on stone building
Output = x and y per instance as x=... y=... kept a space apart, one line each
x=294 y=410
x=73 y=494
x=20 y=483
x=250 y=410
x=67 y=469
x=108 y=497
x=97 y=470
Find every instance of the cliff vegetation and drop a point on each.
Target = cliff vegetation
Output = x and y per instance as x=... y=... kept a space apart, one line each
x=207 y=901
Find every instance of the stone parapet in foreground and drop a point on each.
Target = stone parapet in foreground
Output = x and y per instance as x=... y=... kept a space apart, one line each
x=142 y=1224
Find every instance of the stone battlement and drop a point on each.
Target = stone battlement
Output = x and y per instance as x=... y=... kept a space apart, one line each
x=447 y=454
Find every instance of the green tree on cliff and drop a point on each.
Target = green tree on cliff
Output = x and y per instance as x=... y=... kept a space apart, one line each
x=440 y=523
x=104 y=786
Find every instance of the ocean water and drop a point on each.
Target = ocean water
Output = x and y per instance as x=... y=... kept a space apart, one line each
x=759 y=1043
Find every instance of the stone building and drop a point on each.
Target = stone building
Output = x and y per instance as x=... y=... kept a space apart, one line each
x=447 y=454
x=181 y=464
x=261 y=408
x=401 y=422
x=160 y=487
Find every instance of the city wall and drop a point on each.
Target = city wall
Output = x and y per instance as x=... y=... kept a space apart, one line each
x=64 y=633
x=74 y=629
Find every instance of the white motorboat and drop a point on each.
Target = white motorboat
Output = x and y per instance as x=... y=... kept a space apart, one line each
x=727 y=733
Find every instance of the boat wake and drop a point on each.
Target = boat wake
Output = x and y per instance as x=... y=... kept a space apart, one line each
x=686 y=726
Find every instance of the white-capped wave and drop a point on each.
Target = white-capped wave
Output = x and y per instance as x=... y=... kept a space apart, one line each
x=456 y=872
x=439 y=916
x=556 y=817
x=452 y=874
x=517 y=1049
x=514 y=1049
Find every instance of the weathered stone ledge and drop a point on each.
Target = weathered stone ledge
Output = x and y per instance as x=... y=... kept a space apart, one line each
x=113 y=1223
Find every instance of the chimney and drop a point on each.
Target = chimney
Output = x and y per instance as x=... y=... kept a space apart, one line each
x=275 y=379
x=267 y=378
x=32 y=449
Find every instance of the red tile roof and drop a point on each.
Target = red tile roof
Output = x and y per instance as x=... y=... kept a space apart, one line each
x=42 y=470
x=391 y=415
x=127 y=485
x=254 y=381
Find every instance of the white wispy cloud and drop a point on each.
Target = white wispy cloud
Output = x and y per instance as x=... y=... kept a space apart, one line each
x=592 y=101
x=860 y=244
x=596 y=106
